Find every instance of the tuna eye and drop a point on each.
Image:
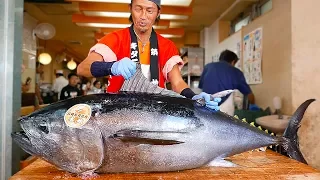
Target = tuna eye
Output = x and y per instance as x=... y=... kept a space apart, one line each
x=43 y=128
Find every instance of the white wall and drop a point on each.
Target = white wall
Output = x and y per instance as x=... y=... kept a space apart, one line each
x=211 y=43
x=276 y=56
x=306 y=73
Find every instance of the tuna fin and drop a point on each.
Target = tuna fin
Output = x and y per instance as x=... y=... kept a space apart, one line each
x=228 y=105
x=147 y=137
x=290 y=137
x=218 y=162
x=139 y=83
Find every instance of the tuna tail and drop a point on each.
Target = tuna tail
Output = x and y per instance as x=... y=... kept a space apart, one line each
x=290 y=137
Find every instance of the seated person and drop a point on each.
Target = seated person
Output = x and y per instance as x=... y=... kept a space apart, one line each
x=71 y=90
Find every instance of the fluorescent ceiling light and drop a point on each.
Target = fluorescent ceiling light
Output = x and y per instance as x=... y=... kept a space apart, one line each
x=126 y=15
x=107 y=25
x=163 y=2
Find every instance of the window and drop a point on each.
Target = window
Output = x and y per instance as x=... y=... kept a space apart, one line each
x=267 y=6
x=241 y=23
x=249 y=14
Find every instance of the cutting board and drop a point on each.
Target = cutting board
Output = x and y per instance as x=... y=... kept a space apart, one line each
x=251 y=165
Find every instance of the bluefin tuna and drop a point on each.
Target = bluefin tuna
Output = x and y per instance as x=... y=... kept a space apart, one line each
x=143 y=129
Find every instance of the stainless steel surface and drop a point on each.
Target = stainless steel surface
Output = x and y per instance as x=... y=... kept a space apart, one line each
x=10 y=70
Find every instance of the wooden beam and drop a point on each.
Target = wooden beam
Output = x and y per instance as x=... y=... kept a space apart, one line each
x=224 y=30
x=80 y=18
x=173 y=31
x=119 y=7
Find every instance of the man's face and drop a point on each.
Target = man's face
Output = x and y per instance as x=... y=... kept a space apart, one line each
x=144 y=14
x=73 y=81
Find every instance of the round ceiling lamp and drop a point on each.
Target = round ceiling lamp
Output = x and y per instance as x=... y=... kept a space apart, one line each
x=72 y=65
x=44 y=58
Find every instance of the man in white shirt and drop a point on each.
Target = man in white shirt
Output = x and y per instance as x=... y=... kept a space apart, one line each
x=59 y=83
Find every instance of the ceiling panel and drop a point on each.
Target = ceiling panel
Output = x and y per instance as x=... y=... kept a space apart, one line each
x=201 y=13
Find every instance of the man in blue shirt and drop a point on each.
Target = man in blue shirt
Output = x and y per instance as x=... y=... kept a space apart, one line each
x=222 y=75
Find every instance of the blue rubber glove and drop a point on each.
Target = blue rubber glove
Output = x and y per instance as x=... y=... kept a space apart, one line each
x=212 y=104
x=124 y=67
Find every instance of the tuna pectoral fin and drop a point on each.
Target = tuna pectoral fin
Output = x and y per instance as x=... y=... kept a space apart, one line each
x=290 y=137
x=139 y=83
x=147 y=137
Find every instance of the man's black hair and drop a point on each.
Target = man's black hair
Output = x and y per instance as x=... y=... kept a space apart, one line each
x=95 y=82
x=228 y=56
x=38 y=64
x=72 y=74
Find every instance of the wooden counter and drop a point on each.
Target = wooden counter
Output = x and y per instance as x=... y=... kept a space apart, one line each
x=252 y=165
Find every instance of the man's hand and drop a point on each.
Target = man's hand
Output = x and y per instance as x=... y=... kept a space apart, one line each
x=124 y=67
x=212 y=104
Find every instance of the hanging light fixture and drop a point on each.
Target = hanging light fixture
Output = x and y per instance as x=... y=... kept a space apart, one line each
x=72 y=65
x=44 y=58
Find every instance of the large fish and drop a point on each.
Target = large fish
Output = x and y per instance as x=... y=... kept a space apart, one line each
x=142 y=132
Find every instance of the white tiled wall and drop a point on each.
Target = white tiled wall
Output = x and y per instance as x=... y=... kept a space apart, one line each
x=29 y=43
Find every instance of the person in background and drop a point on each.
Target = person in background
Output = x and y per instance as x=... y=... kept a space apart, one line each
x=96 y=88
x=86 y=87
x=118 y=52
x=25 y=87
x=39 y=72
x=222 y=75
x=71 y=90
x=96 y=84
x=59 y=83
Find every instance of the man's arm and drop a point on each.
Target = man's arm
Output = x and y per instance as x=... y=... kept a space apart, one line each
x=181 y=87
x=84 y=68
x=177 y=83
x=251 y=98
x=94 y=66
x=245 y=89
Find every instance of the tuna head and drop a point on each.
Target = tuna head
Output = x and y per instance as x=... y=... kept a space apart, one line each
x=75 y=149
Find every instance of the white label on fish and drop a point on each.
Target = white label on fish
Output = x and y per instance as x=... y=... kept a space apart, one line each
x=78 y=115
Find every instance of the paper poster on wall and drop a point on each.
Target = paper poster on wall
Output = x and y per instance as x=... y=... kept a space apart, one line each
x=252 y=57
x=215 y=58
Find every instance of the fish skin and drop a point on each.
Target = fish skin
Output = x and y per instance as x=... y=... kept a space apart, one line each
x=203 y=135
x=149 y=129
